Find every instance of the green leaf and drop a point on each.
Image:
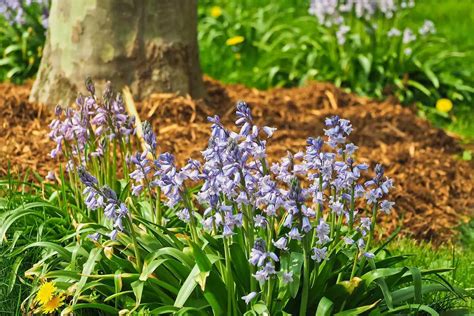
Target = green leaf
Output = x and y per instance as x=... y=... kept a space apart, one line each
x=373 y=275
x=177 y=254
x=14 y=273
x=113 y=296
x=293 y=263
x=94 y=256
x=34 y=209
x=420 y=87
x=240 y=265
x=433 y=78
x=325 y=307
x=150 y=267
x=187 y=288
x=414 y=308
x=12 y=72
x=357 y=311
x=366 y=63
x=11 y=48
x=6 y=61
x=63 y=252
x=261 y=309
x=137 y=288
x=168 y=310
x=97 y=306
x=416 y=285
x=201 y=258
x=216 y=293
x=408 y=293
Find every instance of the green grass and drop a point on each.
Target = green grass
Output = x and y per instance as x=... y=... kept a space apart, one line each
x=457 y=256
x=454 y=19
x=10 y=300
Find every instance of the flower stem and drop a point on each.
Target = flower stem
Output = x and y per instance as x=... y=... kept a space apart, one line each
x=229 y=279
x=135 y=243
x=304 y=296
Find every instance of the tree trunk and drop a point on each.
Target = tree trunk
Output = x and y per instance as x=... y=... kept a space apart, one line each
x=149 y=45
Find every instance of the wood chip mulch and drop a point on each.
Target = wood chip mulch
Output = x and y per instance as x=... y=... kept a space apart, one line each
x=434 y=187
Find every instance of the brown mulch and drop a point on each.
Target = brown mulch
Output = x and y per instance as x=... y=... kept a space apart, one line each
x=434 y=188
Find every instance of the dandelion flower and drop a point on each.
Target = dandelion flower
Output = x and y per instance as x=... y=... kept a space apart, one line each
x=444 y=105
x=235 y=40
x=216 y=11
x=45 y=293
x=53 y=304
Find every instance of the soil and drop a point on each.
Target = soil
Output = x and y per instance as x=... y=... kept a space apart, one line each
x=434 y=187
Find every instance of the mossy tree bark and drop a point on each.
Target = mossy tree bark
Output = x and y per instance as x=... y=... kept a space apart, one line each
x=149 y=45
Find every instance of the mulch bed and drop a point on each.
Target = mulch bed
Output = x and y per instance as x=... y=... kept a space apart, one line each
x=434 y=188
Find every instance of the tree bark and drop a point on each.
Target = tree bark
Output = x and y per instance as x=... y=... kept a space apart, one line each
x=149 y=45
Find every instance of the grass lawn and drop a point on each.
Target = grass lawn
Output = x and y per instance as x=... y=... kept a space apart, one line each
x=425 y=256
x=454 y=19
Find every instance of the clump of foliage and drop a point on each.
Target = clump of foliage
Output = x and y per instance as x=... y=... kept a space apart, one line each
x=23 y=26
x=31 y=215
x=231 y=235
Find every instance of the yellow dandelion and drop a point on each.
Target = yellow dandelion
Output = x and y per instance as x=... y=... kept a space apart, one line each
x=53 y=304
x=235 y=40
x=444 y=105
x=45 y=293
x=216 y=11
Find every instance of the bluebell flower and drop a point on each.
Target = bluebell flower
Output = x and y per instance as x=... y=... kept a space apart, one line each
x=373 y=196
x=337 y=207
x=319 y=254
x=294 y=234
x=348 y=241
x=261 y=276
x=94 y=236
x=287 y=277
x=269 y=131
x=244 y=118
x=149 y=136
x=365 y=225
x=359 y=191
x=361 y=244
x=338 y=130
x=369 y=255
x=386 y=206
x=184 y=215
x=227 y=231
x=257 y=252
x=249 y=297
x=113 y=234
x=51 y=176
x=281 y=243
x=260 y=221
x=350 y=149
x=306 y=224
x=86 y=178
x=322 y=231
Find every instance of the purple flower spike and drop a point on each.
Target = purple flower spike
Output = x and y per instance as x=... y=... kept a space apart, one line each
x=149 y=136
x=86 y=178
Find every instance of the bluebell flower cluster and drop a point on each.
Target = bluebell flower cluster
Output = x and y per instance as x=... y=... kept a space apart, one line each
x=336 y=14
x=309 y=201
x=93 y=123
x=14 y=10
x=103 y=197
